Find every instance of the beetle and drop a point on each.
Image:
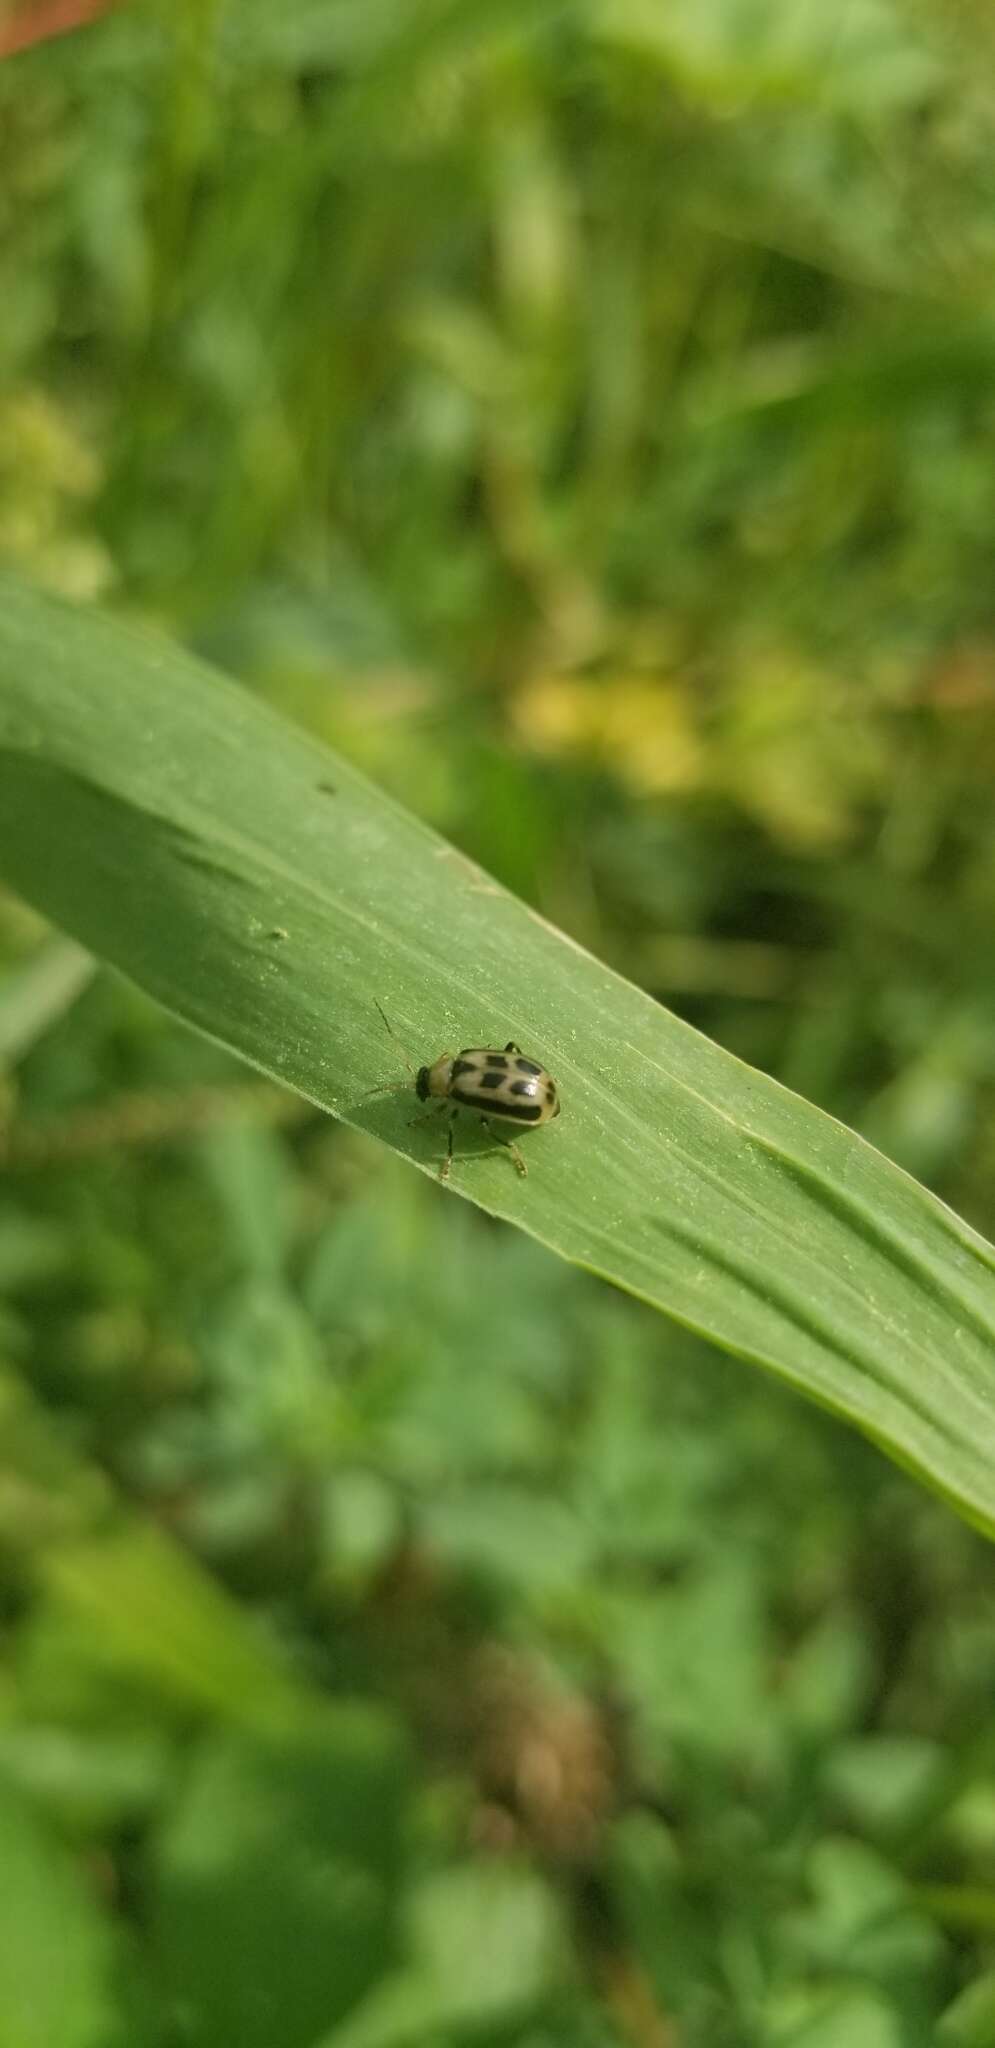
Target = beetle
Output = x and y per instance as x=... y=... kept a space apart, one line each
x=499 y=1085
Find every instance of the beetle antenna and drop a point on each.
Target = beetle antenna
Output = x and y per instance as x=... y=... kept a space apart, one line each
x=390 y=1028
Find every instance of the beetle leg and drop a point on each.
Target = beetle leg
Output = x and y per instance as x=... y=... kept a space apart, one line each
x=427 y=1114
x=508 y=1143
x=512 y=1047
x=437 y=1109
x=448 y=1160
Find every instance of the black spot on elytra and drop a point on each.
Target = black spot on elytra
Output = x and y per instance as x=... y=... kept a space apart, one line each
x=497 y=1059
x=463 y=1067
x=527 y=1067
x=491 y=1080
x=551 y=1094
x=522 y=1088
x=518 y=1112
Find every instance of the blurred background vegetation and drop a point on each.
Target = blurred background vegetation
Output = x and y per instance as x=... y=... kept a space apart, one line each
x=582 y=413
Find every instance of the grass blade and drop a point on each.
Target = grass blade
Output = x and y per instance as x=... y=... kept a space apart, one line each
x=265 y=892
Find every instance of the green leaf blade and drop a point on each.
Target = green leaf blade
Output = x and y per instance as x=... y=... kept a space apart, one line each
x=261 y=889
x=58 y=1957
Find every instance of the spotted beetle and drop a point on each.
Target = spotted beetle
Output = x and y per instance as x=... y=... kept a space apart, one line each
x=501 y=1085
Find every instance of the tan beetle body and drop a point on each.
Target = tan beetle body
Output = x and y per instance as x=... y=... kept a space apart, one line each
x=504 y=1086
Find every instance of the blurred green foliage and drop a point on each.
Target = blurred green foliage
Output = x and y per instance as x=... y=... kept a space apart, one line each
x=583 y=413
